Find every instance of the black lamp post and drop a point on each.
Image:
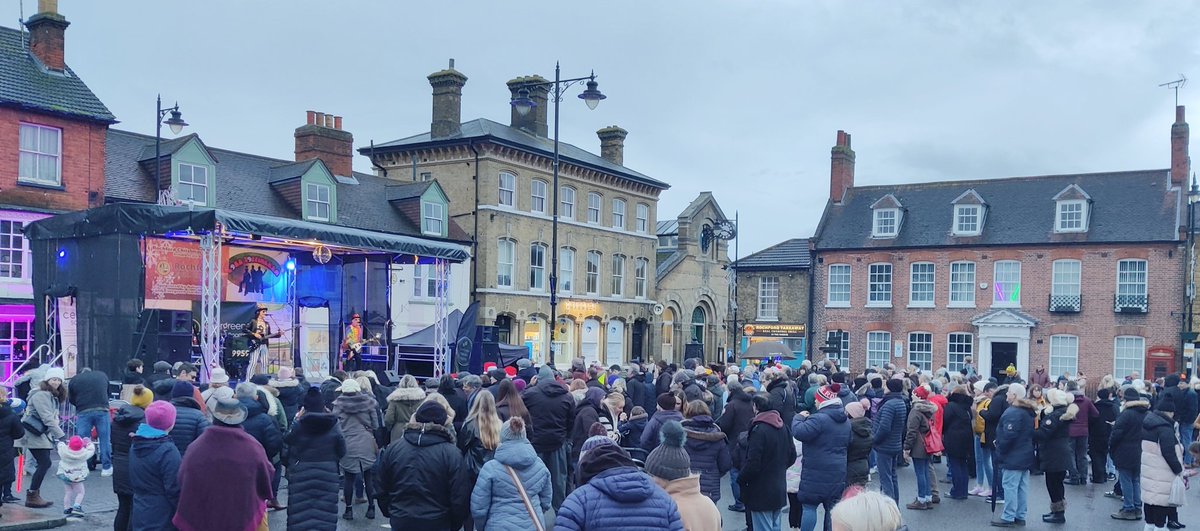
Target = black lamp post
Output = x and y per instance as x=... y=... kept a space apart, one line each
x=1189 y=293
x=523 y=104
x=175 y=122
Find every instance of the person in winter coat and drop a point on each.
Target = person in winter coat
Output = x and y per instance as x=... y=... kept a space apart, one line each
x=218 y=389
x=88 y=392
x=591 y=410
x=825 y=436
x=1125 y=447
x=1014 y=455
x=479 y=438
x=11 y=431
x=1098 y=433
x=550 y=429
x=769 y=451
x=131 y=378
x=920 y=423
x=207 y=498
x=667 y=404
x=991 y=421
x=1054 y=441
x=782 y=393
x=42 y=406
x=649 y=394
x=421 y=480
x=456 y=398
x=1162 y=462
x=631 y=430
x=73 y=471
x=358 y=416
x=162 y=371
x=734 y=422
x=958 y=439
x=706 y=447
x=613 y=494
x=190 y=423
x=124 y=424
x=291 y=390
x=931 y=392
x=496 y=504
x=1078 y=474
x=888 y=429
x=315 y=445
x=401 y=404
x=153 y=470
x=858 y=454
x=509 y=402
x=264 y=430
x=329 y=387
x=671 y=469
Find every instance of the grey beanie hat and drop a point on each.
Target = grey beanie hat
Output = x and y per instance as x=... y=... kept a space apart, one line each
x=670 y=461
x=513 y=429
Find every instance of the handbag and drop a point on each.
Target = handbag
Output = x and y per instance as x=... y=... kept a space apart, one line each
x=1178 y=491
x=533 y=515
x=933 y=442
x=383 y=435
x=33 y=424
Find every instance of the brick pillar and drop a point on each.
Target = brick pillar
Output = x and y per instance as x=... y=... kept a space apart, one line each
x=46 y=30
x=841 y=172
x=447 y=102
x=1180 y=161
x=323 y=138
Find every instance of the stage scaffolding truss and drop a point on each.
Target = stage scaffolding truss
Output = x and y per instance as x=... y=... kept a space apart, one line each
x=210 y=300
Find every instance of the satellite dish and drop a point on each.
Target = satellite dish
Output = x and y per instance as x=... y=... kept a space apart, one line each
x=658 y=309
x=322 y=254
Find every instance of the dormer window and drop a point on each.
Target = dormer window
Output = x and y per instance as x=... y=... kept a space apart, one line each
x=1071 y=216
x=966 y=220
x=887 y=220
x=433 y=218
x=317 y=202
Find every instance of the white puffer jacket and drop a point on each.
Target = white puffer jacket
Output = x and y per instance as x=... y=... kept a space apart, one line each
x=1159 y=469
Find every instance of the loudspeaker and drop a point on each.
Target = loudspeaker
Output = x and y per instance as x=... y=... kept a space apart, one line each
x=174 y=348
x=390 y=377
x=174 y=322
x=488 y=334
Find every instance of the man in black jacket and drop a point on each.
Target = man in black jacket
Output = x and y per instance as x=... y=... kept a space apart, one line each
x=552 y=419
x=421 y=480
x=88 y=392
x=1125 y=445
x=734 y=421
x=991 y=420
x=769 y=452
x=1099 y=430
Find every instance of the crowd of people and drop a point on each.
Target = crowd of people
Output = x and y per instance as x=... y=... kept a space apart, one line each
x=623 y=447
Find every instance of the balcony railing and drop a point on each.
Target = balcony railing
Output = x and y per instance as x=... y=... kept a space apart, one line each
x=1131 y=303
x=1066 y=303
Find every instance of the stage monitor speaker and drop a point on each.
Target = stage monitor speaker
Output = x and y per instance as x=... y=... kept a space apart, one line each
x=491 y=352
x=174 y=348
x=488 y=334
x=175 y=322
x=390 y=377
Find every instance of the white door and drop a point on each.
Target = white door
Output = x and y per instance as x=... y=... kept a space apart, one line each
x=589 y=344
x=614 y=352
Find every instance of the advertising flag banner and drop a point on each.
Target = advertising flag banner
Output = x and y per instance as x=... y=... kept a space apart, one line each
x=172 y=270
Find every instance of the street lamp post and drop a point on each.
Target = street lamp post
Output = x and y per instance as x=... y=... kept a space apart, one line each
x=523 y=104
x=175 y=122
x=1189 y=294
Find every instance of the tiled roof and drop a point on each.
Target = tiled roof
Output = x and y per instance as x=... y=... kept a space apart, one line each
x=790 y=254
x=25 y=82
x=1132 y=206
x=400 y=192
x=243 y=184
x=484 y=128
x=166 y=147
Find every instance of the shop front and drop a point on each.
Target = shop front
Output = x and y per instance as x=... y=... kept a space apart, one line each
x=794 y=335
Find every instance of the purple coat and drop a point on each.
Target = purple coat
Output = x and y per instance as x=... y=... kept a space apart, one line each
x=1087 y=411
x=216 y=456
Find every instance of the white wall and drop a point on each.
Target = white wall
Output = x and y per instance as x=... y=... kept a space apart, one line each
x=410 y=313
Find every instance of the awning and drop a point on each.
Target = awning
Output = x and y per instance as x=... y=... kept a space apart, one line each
x=158 y=220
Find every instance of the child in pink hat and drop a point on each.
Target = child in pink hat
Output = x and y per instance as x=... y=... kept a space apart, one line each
x=73 y=470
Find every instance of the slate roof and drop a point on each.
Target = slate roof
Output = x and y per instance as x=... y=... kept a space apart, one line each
x=26 y=83
x=1126 y=207
x=167 y=147
x=243 y=184
x=483 y=128
x=790 y=254
x=400 y=192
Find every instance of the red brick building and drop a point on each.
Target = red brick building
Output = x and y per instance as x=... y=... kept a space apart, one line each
x=1070 y=272
x=52 y=142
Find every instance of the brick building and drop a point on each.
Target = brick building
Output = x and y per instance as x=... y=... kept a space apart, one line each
x=499 y=181
x=52 y=140
x=772 y=296
x=1071 y=272
x=693 y=282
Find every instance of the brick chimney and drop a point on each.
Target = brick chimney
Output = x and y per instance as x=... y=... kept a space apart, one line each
x=447 y=102
x=612 y=144
x=535 y=121
x=323 y=138
x=1180 y=161
x=46 y=30
x=841 y=171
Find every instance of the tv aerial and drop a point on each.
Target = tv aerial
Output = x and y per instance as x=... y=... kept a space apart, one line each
x=1176 y=85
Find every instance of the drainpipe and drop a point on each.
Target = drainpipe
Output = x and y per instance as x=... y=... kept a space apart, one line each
x=475 y=231
x=376 y=164
x=808 y=327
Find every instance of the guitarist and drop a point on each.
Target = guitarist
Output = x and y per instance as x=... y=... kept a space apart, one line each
x=258 y=337
x=352 y=344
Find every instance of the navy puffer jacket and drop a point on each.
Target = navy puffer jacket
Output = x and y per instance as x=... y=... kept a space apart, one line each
x=154 y=474
x=709 y=453
x=619 y=498
x=1014 y=436
x=262 y=428
x=189 y=422
x=826 y=435
x=890 y=424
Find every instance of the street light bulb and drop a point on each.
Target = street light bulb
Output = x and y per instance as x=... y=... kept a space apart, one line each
x=522 y=103
x=592 y=95
x=176 y=122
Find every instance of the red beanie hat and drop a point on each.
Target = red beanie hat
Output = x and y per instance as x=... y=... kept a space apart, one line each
x=922 y=392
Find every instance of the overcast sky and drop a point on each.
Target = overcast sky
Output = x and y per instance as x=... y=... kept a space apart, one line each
x=741 y=98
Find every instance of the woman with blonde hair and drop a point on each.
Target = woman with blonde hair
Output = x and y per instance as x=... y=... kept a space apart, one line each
x=479 y=437
x=867 y=511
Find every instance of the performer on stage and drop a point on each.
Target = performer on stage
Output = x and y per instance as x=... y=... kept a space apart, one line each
x=352 y=344
x=258 y=336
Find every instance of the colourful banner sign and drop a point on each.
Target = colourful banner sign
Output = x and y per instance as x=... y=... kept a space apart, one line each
x=251 y=275
x=773 y=330
x=172 y=270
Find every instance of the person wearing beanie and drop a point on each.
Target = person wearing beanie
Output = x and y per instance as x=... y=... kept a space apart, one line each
x=496 y=503
x=43 y=405
x=153 y=469
x=596 y=436
x=667 y=410
x=124 y=424
x=190 y=422
x=1054 y=445
x=858 y=453
x=224 y=451
x=10 y=431
x=887 y=434
x=315 y=446
x=668 y=465
x=613 y=494
x=291 y=390
x=769 y=450
x=421 y=482
x=1162 y=463
x=549 y=430
x=825 y=436
x=73 y=470
x=358 y=415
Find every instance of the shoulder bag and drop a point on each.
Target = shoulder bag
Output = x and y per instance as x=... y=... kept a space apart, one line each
x=31 y=421
x=933 y=442
x=537 y=520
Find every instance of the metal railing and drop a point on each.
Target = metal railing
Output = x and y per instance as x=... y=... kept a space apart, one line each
x=1131 y=303
x=1066 y=303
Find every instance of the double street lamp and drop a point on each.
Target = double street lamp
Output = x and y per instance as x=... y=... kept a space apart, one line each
x=523 y=104
x=175 y=122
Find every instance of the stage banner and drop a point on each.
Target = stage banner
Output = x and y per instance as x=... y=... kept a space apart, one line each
x=68 y=335
x=172 y=270
x=314 y=342
x=253 y=275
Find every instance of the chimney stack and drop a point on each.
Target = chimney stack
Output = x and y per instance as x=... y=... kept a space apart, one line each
x=535 y=121
x=447 y=102
x=612 y=144
x=1180 y=161
x=46 y=30
x=323 y=138
x=841 y=172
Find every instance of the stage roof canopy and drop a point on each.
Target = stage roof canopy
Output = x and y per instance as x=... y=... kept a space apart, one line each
x=159 y=220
